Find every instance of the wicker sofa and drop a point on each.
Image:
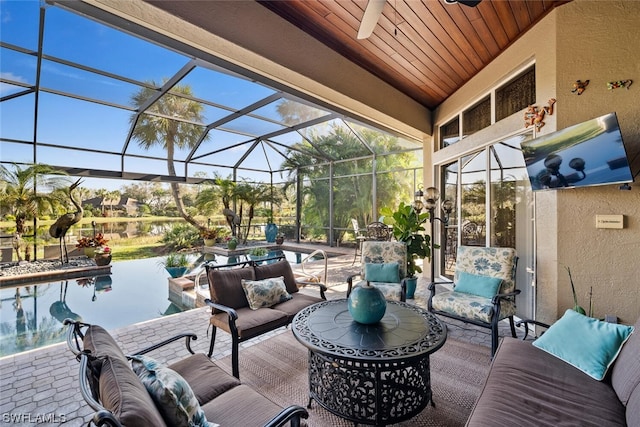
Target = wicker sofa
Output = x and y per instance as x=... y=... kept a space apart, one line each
x=120 y=396
x=230 y=307
x=527 y=386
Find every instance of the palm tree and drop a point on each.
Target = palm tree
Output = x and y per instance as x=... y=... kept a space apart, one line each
x=28 y=192
x=254 y=194
x=157 y=128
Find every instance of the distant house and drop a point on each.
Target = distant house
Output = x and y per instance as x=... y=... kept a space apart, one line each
x=126 y=206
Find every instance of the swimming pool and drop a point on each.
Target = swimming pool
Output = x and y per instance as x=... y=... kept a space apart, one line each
x=31 y=315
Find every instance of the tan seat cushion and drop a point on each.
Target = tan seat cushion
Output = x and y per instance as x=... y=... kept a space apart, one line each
x=241 y=406
x=251 y=323
x=123 y=394
x=207 y=380
x=100 y=343
x=296 y=303
x=625 y=374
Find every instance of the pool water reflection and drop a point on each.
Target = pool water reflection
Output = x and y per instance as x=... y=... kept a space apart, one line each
x=31 y=315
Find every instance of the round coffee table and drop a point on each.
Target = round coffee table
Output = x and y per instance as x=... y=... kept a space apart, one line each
x=371 y=374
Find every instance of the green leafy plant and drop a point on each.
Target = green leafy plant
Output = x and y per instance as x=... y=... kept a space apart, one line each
x=577 y=308
x=175 y=260
x=408 y=228
x=259 y=251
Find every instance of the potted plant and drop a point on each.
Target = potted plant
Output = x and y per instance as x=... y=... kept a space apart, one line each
x=232 y=243
x=210 y=235
x=408 y=228
x=90 y=244
x=103 y=255
x=279 y=238
x=176 y=264
x=258 y=253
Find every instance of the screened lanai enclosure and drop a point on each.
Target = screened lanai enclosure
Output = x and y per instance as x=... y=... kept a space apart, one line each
x=100 y=97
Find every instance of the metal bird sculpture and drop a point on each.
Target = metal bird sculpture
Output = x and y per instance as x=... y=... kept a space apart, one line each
x=59 y=228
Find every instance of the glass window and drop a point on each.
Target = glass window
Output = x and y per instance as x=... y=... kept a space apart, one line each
x=450 y=132
x=516 y=94
x=449 y=241
x=477 y=117
x=473 y=190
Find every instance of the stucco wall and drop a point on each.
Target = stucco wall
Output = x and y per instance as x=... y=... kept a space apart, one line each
x=599 y=41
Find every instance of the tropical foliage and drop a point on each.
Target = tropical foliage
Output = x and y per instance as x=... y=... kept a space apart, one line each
x=353 y=180
x=28 y=192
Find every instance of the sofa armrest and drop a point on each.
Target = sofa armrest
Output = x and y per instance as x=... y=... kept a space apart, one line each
x=322 y=287
x=291 y=414
x=526 y=322
x=496 y=299
x=231 y=314
x=187 y=336
x=350 y=282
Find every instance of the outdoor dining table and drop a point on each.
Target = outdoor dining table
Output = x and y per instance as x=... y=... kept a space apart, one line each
x=372 y=374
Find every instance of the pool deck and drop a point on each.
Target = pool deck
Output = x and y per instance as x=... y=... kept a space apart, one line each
x=40 y=387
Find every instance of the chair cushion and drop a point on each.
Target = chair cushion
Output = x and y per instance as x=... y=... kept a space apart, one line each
x=241 y=406
x=100 y=343
x=380 y=252
x=171 y=393
x=474 y=284
x=297 y=302
x=589 y=344
x=488 y=261
x=122 y=393
x=625 y=374
x=251 y=323
x=225 y=286
x=207 y=380
x=266 y=292
x=391 y=291
x=528 y=387
x=277 y=269
x=382 y=272
x=470 y=306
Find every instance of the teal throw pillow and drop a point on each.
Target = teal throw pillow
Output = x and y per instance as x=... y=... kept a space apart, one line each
x=265 y=292
x=388 y=272
x=171 y=393
x=482 y=286
x=588 y=344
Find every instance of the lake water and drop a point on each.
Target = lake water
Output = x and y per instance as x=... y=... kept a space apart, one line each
x=31 y=316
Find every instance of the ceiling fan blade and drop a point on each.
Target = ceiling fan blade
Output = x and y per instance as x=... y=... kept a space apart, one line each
x=470 y=3
x=370 y=18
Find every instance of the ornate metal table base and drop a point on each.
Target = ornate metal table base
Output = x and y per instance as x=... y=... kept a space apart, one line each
x=371 y=374
x=374 y=392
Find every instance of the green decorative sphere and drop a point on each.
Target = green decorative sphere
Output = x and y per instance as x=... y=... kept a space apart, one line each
x=366 y=304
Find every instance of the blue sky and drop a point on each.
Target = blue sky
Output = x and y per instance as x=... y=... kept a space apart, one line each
x=75 y=121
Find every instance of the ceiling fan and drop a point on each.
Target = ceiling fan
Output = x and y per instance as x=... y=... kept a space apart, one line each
x=374 y=9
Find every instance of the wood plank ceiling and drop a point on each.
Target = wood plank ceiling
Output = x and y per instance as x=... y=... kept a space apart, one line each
x=425 y=48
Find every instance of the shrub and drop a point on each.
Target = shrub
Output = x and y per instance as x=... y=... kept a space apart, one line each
x=181 y=236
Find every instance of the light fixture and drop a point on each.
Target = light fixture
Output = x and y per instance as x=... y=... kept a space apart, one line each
x=431 y=196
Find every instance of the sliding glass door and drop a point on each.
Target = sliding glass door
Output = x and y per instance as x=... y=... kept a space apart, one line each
x=493 y=207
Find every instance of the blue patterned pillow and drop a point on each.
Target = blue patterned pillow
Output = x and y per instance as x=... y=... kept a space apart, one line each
x=265 y=292
x=171 y=393
x=388 y=272
x=482 y=286
x=588 y=344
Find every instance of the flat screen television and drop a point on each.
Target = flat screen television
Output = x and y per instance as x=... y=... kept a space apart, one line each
x=586 y=154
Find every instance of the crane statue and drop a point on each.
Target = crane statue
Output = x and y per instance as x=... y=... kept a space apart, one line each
x=59 y=228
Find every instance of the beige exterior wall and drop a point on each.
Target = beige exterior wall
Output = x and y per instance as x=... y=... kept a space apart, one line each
x=599 y=41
